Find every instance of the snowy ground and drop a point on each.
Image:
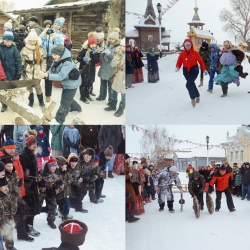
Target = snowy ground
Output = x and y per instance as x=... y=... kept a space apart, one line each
x=92 y=113
x=105 y=221
x=168 y=102
x=182 y=231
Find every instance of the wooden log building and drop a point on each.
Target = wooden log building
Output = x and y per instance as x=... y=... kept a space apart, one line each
x=81 y=16
x=5 y=17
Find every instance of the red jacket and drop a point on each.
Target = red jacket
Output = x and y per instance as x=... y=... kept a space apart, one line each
x=222 y=181
x=189 y=58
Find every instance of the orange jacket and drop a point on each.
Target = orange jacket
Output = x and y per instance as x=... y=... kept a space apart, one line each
x=189 y=58
x=222 y=181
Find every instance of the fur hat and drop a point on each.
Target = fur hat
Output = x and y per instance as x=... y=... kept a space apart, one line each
x=173 y=169
x=6 y=160
x=204 y=44
x=89 y=151
x=2 y=166
x=72 y=158
x=58 y=49
x=60 y=21
x=23 y=22
x=115 y=34
x=123 y=42
x=52 y=162
x=3 y=182
x=61 y=160
x=99 y=33
x=195 y=174
x=109 y=151
x=8 y=24
x=92 y=40
x=47 y=22
x=8 y=35
x=64 y=30
x=9 y=144
x=33 y=18
x=73 y=232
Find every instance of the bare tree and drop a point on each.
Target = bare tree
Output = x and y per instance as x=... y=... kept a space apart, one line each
x=178 y=46
x=238 y=20
x=7 y=5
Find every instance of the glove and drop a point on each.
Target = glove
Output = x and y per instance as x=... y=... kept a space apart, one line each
x=205 y=72
x=17 y=76
x=177 y=69
x=94 y=51
x=42 y=183
x=45 y=32
x=107 y=51
x=85 y=59
x=210 y=189
x=49 y=149
x=20 y=182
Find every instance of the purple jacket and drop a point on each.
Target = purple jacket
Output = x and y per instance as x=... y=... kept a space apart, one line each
x=228 y=58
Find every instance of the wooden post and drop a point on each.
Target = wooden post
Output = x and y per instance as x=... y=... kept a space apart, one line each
x=70 y=24
x=57 y=14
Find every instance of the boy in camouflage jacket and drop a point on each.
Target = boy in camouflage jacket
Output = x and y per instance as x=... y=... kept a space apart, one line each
x=50 y=184
x=63 y=197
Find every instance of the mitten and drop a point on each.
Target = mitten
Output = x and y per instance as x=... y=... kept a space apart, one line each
x=49 y=149
x=45 y=32
x=107 y=51
x=54 y=35
x=94 y=51
x=85 y=59
x=177 y=69
x=17 y=76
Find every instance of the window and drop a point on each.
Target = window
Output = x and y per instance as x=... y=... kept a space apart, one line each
x=150 y=38
x=231 y=156
x=241 y=155
x=236 y=156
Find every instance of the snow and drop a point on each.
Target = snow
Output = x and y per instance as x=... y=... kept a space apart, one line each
x=168 y=102
x=105 y=221
x=203 y=33
x=92 y=113
x=182 y=231
x=132 y=33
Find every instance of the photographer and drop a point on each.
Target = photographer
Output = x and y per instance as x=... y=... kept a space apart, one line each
x=50 y=37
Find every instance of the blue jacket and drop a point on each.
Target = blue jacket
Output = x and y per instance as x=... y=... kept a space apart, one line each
x=214 y=57
x=48 y=41
x=11 y=60
x=43 y=143
x=103 y=161
x=62 y=71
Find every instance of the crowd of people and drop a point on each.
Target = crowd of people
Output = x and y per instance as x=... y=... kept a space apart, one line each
x=32 y=52
x=146 y=182
x=44 y=173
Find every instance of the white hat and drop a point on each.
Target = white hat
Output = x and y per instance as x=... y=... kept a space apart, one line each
x=173 y=169
x=32 y=36
x=122 y=43
x=8 y=24
x=99 y=33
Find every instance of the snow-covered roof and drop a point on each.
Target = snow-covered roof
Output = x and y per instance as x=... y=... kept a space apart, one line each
x=132 y=33
x=142 y=24
x=10 y=16
x=162 y=47
x=244 y=44
x=166 y=40
x=203 y=33
x=195 y=22
x=202 y=152
x=166 y=33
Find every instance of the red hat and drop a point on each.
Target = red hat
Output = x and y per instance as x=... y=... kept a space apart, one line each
x=52 y=162
x=31 y=140
x=73 y=228
x=92 y=40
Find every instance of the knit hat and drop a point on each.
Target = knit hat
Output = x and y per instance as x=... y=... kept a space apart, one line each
x=2 y=166
x=204 y=44
x=127 y=156
x=33 y=18
x=8 y=35
x=52 y=162
x=61 y=160
x=115 y=34
x=3 y=182
x=6 y=160
x=72 y=158
x=195 y=174
x=92 y=40
x=246 y=163
x=122 y=43
x=9 y=144
x=31 y=140
x=8 y=24
x=187 y=43
x=109 y=151
x=23 y=22
x=60 y=21
x=47 y=22
x=32 y=36
x=173 y=169
x=58 y=49
x=73 y=232
x=96 y=159
x=99 y=33
x=39 y=128
x=222 y=169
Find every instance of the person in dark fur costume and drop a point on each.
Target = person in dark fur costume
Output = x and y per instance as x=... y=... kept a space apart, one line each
x=29 y=163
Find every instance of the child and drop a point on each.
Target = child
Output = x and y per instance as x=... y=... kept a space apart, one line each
x=118 y=85
x=64 y=69
x=14 y=189
x=238 y=182
x=204 y=53
x=222 y=180
x=33 y=60
x=10 y=58
x=106 y=71
x=88 y=57
x=76 y=194
x=50 y=184
x=149 y=185
x=62 y=197
x=44 y=145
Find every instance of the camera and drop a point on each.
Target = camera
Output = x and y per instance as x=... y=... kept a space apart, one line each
x=50 y=31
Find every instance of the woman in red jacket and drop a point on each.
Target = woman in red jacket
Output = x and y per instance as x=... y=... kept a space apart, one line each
x=190 y=59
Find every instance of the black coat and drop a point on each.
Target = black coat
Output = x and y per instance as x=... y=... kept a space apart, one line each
x=29 y=163
x=139 y=64
x=130 y=64
x=103 y=161
x=152 y=63
x=245 y=175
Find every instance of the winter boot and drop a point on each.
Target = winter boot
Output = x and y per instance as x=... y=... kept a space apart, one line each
x=170 y=206
x=4 y=108
x=40 y=99
x=52 y=224
x=99 y=99
x=84 y=99
x=131 y=217
x=104 y=175
x=67 y=217
x=47 y=98
x=27 y=238
x=193 y=102
x=81 y=210
x=102 y=195
x=120 y=110
x=89 y=98
x=210 y=90
x=93 y=94
x=224 y=87
x=32 y=232
x=232 y=210
x=197 y=100
x=97 y=201
x=112 y=106
x=110 y=174
x=162 y=205
x=201 y=83
x=11 y=248
x=31 y=100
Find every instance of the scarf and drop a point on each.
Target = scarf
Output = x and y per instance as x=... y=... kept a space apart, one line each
x=151 y=53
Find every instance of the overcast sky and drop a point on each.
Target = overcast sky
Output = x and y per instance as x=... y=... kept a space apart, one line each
x=194 y=133
x=180 y=14
x=28 y=4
